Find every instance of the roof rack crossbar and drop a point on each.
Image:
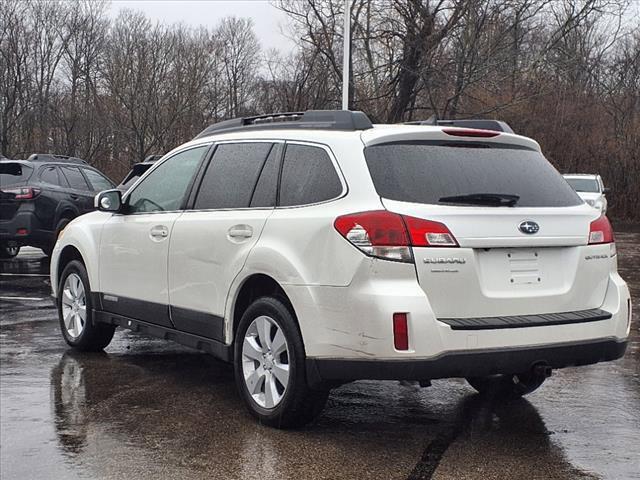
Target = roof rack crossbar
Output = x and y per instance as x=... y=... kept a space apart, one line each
x=344 y=120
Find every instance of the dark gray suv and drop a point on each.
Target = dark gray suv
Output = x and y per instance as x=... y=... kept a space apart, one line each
x=40 y=195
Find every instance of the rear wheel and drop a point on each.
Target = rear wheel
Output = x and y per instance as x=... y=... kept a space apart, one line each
x=507 y=386
x=8 y=252
x=269 y=364
x=75 y=311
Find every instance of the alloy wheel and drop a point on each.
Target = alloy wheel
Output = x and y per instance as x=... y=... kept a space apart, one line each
x=265 y=362
x=74 y=305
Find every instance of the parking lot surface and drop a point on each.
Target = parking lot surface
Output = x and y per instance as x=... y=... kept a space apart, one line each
x=148 y=408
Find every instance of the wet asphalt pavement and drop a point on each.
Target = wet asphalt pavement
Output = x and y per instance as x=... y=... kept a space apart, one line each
x=152 y=409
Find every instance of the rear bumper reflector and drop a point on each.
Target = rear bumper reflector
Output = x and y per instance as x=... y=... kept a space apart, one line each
x=524 y=321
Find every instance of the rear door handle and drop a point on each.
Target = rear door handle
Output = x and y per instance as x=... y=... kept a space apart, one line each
x=74 y=196
x=159 y=232
x=240 y=231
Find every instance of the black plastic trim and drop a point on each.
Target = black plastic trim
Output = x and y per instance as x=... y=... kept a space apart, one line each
x=151 y=312
x=198 y=323
x=215 y=348
x=525 y=321
x=467 y=363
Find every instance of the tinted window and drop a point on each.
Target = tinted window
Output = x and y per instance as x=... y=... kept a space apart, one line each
x=75 y=178
x=266 y=189
x=13 y=173
x=584 y=185
x=232 y=175
x=98 y=182
x=426 y=173
x=164 y=189
x=50 y=175
x=308 y=176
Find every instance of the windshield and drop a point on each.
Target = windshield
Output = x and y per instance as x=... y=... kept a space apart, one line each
x=589 y=185
x=14 y=173
x=467 y=174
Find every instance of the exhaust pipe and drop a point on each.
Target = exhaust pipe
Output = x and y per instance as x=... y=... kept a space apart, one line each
x=541 y=370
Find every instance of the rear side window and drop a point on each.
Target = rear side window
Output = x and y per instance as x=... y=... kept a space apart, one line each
x=51 y=176
x=98 y=182
x=423 y=172
x=14 y=173
x=231 y=176
x=75 y=178
x=308 y=176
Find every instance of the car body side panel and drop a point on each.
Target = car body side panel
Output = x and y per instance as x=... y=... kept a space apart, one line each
x=84 y=234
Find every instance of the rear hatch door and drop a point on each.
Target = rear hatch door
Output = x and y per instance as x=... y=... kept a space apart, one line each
x=521 y=229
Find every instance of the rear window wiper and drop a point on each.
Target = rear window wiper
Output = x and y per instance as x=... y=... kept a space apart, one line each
x=490 y=199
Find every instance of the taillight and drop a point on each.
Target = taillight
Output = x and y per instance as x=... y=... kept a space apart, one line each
x=23 y=193
x=600 y=231
x=390 y=236
x=470 y=132
x=426 y=233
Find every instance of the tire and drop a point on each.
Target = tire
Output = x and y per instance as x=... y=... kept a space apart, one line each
x=507 y=386
x=9 y=252
x=48 y=249
x=74 y=303
x=271 y=401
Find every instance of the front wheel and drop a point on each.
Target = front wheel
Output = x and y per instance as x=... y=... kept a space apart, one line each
x=269 y=365
x=507 y=386
x=75 y=311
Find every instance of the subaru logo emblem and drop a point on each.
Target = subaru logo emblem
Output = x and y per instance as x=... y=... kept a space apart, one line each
x=529 y=227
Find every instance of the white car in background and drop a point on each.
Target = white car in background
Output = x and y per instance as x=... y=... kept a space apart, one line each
x=590 y=188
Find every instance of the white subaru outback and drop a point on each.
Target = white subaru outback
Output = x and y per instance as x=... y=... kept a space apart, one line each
x=314 y=249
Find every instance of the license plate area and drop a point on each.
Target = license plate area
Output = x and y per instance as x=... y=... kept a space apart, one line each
x=506 y=268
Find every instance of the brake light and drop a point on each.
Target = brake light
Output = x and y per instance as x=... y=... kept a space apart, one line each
x=390 y=236
x=470 y=132
x=23 y=193
x=600 y=231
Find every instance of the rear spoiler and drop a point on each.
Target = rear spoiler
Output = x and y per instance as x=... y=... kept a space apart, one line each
x=480 y=124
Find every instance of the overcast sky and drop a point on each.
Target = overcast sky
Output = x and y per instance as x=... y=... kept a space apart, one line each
x=267 y=18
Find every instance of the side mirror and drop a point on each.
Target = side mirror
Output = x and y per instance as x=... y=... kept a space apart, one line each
x=606 y=190
x=109 y=200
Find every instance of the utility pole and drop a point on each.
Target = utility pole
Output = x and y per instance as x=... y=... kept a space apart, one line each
x=346 y=55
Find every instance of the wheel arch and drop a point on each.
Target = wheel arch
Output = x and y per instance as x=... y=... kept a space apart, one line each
x=249 y=289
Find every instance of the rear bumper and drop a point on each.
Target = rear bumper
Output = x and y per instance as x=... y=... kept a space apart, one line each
x=471 y=363
x=27 y=219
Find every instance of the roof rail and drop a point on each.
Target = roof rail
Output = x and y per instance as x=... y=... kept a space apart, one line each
x=479 y=123
x=50 y=157
x=345 y=120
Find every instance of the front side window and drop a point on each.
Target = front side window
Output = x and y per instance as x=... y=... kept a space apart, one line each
x=231 y=177
x=308 y=176
x=75 y=179
x=164 y=189
x=98 y=182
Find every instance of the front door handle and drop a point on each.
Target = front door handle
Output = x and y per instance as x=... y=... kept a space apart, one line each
x=240 y=231
x=159 y=232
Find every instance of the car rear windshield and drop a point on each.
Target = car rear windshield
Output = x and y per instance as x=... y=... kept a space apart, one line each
x=14 y=173
x=435 y=173
x=588 y=185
